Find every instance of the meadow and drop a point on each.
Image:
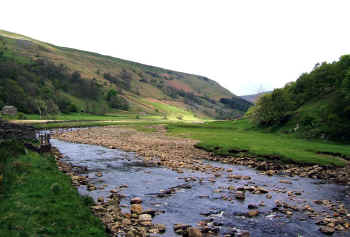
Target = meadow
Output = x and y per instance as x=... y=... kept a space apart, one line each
x=241 y=137
x=36 y=199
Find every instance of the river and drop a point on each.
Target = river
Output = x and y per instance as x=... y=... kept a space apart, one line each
x=198 y=198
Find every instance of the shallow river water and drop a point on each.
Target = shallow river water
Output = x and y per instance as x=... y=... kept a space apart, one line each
x=201 y=200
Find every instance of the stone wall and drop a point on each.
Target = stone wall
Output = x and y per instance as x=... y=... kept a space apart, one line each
x=9 y=110
x=15 y=131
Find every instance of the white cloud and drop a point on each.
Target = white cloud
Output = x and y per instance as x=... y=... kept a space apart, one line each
x=241 y=44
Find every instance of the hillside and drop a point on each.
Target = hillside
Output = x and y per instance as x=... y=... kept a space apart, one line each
x=61 y=79
x=254 y=97
x=316 y=105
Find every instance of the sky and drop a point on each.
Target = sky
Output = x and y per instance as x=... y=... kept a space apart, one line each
x=246 y=46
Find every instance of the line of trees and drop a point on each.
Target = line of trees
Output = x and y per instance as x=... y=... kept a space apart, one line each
x=236 y=103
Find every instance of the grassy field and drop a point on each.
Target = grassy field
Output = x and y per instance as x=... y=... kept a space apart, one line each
x=78 y=124
x=88 y=117
x=38 y=200
x=173 y=112
x=226 y=138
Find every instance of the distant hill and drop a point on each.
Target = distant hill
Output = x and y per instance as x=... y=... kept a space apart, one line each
x=48 y=79
x=254 y=97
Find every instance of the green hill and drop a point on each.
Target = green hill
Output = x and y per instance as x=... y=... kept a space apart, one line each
x=317 y=105
x=38 y=77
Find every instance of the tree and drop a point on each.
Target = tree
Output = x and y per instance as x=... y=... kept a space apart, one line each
x=115 y=101
x=41 y=107
x=272 y=109
x=111 y=93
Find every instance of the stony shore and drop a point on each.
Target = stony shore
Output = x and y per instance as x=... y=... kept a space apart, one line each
x=178 y=154
x=136 y=223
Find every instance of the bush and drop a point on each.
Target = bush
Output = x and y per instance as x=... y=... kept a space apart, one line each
x=180 y=117
x=21 y=116
x=55 y=188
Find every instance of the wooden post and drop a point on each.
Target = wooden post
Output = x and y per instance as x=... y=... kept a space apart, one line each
x=45 y=145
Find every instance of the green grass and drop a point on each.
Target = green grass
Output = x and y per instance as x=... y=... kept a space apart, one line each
x=75 y=117
x=82 y=117
x=226 y=138
x=173 y=112
x=138 y=123
x=38 y=200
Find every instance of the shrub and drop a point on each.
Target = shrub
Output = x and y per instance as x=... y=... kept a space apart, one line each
x=55 y=188
x=180 y=117
x=21 y=115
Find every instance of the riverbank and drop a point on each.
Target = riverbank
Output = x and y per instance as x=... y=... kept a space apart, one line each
x=285 y=197
x=177 y=153
x=36 y=199
x=241 y=137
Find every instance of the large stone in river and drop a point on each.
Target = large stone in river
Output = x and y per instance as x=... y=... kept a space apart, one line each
x=194 y=232
x=253 y=213
x=136 y=208
x=327 y=230
x=240 y=195
x=160 y=227
x=145 y=217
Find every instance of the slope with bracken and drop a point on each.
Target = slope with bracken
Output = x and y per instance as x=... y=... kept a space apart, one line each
x=120 y=84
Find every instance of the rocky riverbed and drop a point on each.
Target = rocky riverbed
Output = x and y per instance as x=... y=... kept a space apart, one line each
x=178 y=186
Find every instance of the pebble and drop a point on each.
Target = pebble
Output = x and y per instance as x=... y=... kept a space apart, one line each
x=99 y=174
x=100 y=199
x=252 y=206
x=253 y=213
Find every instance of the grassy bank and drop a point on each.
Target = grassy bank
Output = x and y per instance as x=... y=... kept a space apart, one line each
x=38 y=200
x=82 y=117
x=80 y=124
x=138 y=123
x=227 y=138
